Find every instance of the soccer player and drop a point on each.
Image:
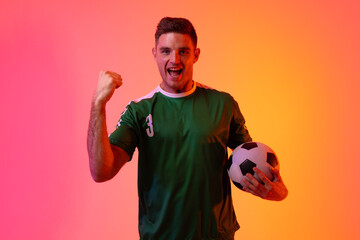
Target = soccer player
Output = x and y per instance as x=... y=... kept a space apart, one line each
x=182 y=130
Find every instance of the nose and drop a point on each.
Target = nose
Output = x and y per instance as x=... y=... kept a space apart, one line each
x=175 y=57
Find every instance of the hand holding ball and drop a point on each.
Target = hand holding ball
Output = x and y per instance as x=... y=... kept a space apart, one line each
x=247 y=156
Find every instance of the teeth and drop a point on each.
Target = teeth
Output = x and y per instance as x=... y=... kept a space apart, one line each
x=174 y=71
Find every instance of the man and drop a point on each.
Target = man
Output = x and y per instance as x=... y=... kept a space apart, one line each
x=182 y=130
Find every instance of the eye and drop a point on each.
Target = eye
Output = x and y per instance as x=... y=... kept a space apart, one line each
x=165 y=51
x=183 y=52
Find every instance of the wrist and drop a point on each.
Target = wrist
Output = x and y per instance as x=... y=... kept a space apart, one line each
x=98 y=102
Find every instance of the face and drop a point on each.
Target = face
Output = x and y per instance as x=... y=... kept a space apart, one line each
x=175 y=55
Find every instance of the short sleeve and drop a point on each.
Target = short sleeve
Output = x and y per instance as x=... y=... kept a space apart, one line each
x=238 y=132
x=125 y=135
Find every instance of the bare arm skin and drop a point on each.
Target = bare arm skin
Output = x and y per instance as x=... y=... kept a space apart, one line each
x=105 y=159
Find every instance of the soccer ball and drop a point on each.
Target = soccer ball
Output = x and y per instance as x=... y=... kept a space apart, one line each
x=247 y=156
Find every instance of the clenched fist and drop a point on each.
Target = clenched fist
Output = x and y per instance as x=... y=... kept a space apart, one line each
x=107 y=83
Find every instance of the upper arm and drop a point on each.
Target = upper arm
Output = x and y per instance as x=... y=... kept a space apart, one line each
x=238 y=131
x=123 y=140
x=120 y=158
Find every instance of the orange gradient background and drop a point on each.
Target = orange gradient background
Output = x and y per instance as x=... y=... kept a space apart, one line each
x=293 y=67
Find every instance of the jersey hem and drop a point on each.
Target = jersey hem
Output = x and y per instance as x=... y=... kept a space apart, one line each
x=122 y=146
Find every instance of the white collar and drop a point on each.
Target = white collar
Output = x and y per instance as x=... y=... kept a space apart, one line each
x=177 y=95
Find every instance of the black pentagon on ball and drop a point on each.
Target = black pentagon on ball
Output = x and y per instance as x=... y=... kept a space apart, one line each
x=229 y=163
x=272 y=159
x=238 y=185
x=247 y=167
x=249 y=145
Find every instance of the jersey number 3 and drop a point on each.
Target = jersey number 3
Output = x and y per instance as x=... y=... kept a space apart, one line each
x=150 y=129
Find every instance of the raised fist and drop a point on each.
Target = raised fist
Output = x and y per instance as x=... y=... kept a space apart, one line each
x=107 y=83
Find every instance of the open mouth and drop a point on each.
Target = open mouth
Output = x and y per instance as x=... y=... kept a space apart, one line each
x=174 y=72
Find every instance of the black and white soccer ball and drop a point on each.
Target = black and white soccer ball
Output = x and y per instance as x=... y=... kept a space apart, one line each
x=247 y=156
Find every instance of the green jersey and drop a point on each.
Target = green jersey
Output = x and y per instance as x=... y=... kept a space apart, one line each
x=182 y=139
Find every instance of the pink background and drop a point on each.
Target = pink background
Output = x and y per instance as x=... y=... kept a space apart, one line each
x=293 y=66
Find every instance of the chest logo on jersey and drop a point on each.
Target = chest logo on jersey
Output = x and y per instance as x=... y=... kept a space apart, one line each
x=150 y=128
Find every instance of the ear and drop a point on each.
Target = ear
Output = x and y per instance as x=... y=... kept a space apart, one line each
x=154 y=52
x=197 y=54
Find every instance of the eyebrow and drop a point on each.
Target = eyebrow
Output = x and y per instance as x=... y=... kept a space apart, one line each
x=182 y=48
x=185 y=48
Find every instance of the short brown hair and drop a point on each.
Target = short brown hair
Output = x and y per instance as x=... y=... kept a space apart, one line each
x=177 y=25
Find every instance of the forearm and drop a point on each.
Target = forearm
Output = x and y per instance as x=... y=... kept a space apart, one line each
x=101 y=157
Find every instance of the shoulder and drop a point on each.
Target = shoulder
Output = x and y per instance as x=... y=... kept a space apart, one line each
x=150 y=95
x=213 y=93
x=138 y=102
